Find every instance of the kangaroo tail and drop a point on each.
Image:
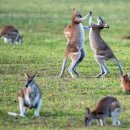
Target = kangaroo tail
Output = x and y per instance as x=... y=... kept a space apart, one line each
x=63 y=67
x=14 y=114
x=119 y=66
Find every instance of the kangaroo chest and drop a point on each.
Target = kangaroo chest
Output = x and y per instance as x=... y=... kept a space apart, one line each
x=32 y=96
x=78 y=36
x=29 y=96
x=96 y=42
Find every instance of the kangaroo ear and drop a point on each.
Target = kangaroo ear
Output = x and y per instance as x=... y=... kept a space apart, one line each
x=73 y=9
x=33 y=76
x=80 y=15
x=100 y=20
x=90 y=12
x=26 y=75
x=87 y=110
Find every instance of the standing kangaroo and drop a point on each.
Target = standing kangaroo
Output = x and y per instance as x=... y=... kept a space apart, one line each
x=102 y=52
x=106 y=107
x=75 y=43
x=29 y=97
x=11 y=35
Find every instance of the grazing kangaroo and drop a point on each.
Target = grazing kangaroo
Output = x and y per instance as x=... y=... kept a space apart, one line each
x=75 y=43
x=125 y=83
x=102 y=52
x=11 y=35
x=106 y=107
x=29 y=97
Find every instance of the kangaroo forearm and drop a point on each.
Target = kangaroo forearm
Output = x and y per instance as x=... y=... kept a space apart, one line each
x=36 y=100
x=91 y=23
x=84 y=18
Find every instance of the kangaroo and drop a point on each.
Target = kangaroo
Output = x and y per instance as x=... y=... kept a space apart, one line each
x=125 y=83
x=102 y=52
x=75 y=43
x=30 y=97
x=11 y=35
x=106 y=107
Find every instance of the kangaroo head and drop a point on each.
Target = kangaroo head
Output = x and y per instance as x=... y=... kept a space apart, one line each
x=20 y=39
x=102 y=23
x=29 y=80
x=89 y=117
x=75 y=15
x=124 y=77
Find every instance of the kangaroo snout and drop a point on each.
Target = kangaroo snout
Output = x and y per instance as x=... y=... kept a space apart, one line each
x=90 y=12
x=107 y=26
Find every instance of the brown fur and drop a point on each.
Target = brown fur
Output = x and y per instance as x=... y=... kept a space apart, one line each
x=24 y=92
x=104 y=108
x=72 y=45
x=105 y=102
x=29 y=97
x=74 y=33
x=72 y=36
x=125 y=83
x=75 y=17
x=28 y=91
x=7 y=30
x=102 y=52
x=10 y=34
x=68 y=31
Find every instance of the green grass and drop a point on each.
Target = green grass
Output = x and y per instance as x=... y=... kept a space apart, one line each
x=64 y=99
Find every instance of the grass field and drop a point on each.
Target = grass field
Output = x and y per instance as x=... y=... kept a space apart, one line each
x=64 y=99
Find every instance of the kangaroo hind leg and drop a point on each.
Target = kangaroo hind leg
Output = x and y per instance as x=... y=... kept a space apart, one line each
x=21 y=106
x=63 y=67
x=75 y=59
x=80 y=59
x=103 y=68
x=101 y=73
x=37 y=108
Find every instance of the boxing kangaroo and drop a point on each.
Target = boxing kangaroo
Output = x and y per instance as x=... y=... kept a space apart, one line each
x=102 y=52
x=75 y=45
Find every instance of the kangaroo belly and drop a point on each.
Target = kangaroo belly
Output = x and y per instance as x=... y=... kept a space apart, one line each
x=96 y=42
x=78 y=36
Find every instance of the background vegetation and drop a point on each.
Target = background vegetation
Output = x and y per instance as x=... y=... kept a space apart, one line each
x=64 y=99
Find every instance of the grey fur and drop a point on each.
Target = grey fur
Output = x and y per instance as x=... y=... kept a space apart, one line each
x=106 y=107
x=102 y=52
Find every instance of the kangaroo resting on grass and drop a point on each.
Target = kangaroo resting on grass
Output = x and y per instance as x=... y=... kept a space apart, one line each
x=11 y=35
x=29 y=97
x=106 y=107
x=75 y=45
x=102 y=52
